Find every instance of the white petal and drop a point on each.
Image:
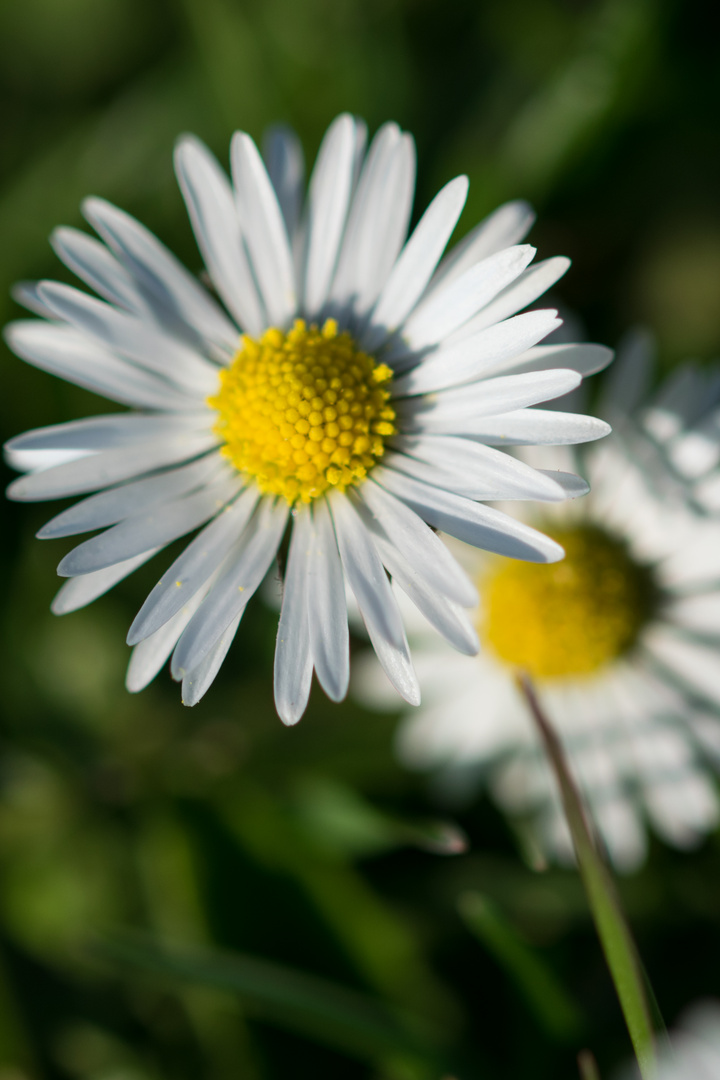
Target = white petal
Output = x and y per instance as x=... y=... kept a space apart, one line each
x=394 y=656
x=133 y=338
x=573 y=486
x=522 y=427
x=108 y=467
x=39 y=460
x=506 y=226
x=113 y=430
x=488 y=397
x=82 y=590
x=327 y=612
x=293 y=652
x=377 y=223
x=449 y=619
x=236 y=585
x=161 y=275
x=211 y=207
x=473 y=723
x=92 y=262
x=471 y=469
x=149 y=655
x=364 y=570
x=423 y=549
x=695 y=665
x=707 y=493
x=694 y=453
x=587 y=359
x=478 y=355
x=198 y=681
x=194 y=566
x=683 y=808
x=328 y=202
x=376 y=602
x=526 y=288
x=72 y=356
x=396 y=663
x=416 y=263
x=705 y=731
x=451 y=307
x=264 y=229
x=109 y=507
x=361 y=136
x=156 y=528
x=694 y=562
x=469 y=521
x=700 y=613
x=681 y=399
x=628 y=382
x=282 y=151
x=26 y=294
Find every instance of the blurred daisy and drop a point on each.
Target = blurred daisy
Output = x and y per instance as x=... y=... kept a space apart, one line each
x=621 y=640
x=341 y=382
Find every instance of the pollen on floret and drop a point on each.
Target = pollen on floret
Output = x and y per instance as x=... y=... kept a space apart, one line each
x=572 y=617
x=304 y=410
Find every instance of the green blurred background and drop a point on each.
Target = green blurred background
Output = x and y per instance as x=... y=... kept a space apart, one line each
x=171 y=879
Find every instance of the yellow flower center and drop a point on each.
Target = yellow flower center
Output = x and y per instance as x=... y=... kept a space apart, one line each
x=572 y=617
x=303 y=411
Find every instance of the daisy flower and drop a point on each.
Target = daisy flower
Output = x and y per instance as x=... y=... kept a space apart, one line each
x=339 y=383
x=620 y=639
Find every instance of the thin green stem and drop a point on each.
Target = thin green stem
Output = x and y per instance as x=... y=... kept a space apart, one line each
x=612 y=928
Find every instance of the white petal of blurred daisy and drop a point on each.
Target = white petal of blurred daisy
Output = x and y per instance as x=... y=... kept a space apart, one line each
x=621 y=639
x=693 y=1050
x=348 y=384
x=683 y=416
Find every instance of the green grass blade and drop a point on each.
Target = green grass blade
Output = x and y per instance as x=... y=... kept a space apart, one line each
x=615 y=937
x=545 y=996
x=333 y=1014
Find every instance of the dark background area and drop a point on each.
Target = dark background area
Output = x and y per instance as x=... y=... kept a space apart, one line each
x=129 y=821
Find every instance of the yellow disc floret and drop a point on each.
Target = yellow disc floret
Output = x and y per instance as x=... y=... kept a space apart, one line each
x=572 y=617
x=304 y=411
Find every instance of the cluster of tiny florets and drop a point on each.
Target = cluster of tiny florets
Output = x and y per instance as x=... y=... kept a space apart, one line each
x=570 y=618
x=304 y=411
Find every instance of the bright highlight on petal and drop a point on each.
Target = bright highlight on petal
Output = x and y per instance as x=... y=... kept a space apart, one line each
x=304 y=411
x=572 y=617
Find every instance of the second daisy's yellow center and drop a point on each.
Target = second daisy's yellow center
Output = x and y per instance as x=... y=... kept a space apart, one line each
x=572 y=617
x=304 y=411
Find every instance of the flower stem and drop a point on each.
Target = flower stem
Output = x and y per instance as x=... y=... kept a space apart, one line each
x=610 y=922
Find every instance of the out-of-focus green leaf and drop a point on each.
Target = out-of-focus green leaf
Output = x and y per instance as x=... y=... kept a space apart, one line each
x=234 y=62
x=540 y=131
x=599 y=78
x=338 y=819
x=171 y=888
x=15 y=1047
x=122 y=153
x=544 y=994
x=384 y=948
x=614 y=933
x=332 y=1014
